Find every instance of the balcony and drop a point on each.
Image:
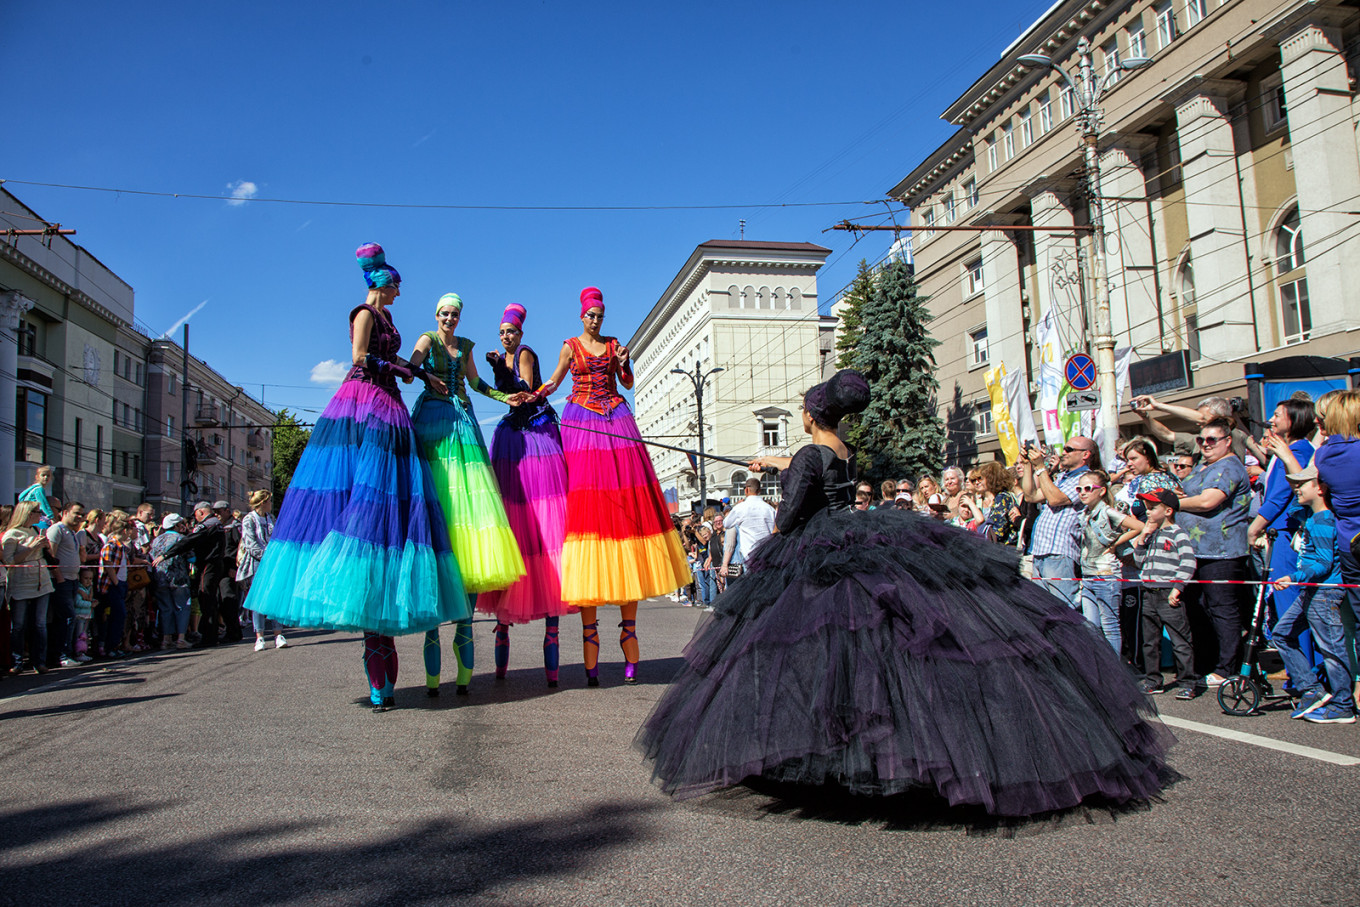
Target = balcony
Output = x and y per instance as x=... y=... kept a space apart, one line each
x=255 y=441
x=255 y=472
x=205 y=415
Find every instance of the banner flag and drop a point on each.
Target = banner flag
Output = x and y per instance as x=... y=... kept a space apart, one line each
x=1002 y=420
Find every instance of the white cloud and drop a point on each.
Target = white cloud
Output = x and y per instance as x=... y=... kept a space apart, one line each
x=330 y=372
x=305 y=224
x=241 y=192
x=179 y=324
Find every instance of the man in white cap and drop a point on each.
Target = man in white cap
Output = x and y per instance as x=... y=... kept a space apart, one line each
x=207 y=543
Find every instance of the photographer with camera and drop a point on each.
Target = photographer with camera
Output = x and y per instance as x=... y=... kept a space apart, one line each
x=1233 y=411
x=1053 y=542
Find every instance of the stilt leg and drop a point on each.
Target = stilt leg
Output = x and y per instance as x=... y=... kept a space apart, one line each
x=375 y=669
x=550 y=650
x=502 y=649
x=462 y=652
x=628 y=641
x=590 y=645
x=433 y=662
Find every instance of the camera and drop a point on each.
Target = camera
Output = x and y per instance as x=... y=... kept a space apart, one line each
x=1239 y=405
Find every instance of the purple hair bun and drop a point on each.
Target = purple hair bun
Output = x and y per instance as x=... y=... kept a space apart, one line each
x=846 y=392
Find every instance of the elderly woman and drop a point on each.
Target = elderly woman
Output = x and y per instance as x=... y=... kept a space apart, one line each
x=256 y=529
x=953 y=479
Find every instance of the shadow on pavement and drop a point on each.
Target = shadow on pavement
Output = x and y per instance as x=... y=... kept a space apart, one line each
x=916 y=811
x=434 y=861
x=76 y=707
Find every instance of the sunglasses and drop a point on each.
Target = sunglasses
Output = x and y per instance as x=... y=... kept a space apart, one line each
x=1089 y=488
x=1068 y=448
x=1182 y=465
x=1206 y=441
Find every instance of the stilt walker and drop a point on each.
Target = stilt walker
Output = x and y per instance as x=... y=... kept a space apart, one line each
x=526 y=455
x=360 y=542
x=452 y=444
x=621 y=545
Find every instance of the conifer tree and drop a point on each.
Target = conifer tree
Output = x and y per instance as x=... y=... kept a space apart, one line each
x=900 y=435
x=852 y=326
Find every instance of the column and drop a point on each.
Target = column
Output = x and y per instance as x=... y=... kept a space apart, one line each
x=1209 y=174
x=1002 y=294
x=1057 y=278
x=12 y=305
x=1326 y=172
x=1130 y=256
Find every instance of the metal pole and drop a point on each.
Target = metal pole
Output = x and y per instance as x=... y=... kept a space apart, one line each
x=184 y=427
x=703 y=466
x=1104 y=328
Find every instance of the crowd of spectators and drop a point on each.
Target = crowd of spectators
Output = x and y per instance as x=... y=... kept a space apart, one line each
x=80 y=585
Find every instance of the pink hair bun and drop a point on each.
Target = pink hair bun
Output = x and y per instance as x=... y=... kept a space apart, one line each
x=591 y=297
x=514 y=314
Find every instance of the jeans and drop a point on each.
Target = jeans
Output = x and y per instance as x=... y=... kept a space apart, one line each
x=1158 y=613
x=26 y=614
x=1100 y=606
x=1350 y=573
x=1318 y=610
x=61 y=616
x=1057 y=565
x=173 y=604
x=116 y=599
x=708 y=586
x=1216 y=615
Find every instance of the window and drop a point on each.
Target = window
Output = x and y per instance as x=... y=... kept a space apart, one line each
x=1066 y=102
x=139 y=378
x=1295 y=313
x=28 y=338
x=982 y=418
x=31 y=435
x=116 y=360
x=169 y=426
x=970 y=192
x=125 y=463
x=1166 y=24
x=127 y=414
x=1008 y=141
x=1192 y=337
x=949 y=208
x=769 y=434
x=928 y=221
x=99 y=449
x=1137 y=40
x=1185 y=290
x=113 y=462
x=137 y=420
x=170 y=384
x=115 y=412
x=137 y=466
x=978 y=340
x=1111 y=52
x=1026 y=130
x=169 y=473
x=1045 y=112
x=1196 y=11
x=79 y=431
x=991 y=155
x=975 y=281
x=1273 y=107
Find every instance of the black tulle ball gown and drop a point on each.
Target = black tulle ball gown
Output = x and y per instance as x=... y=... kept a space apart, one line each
x=880 y=652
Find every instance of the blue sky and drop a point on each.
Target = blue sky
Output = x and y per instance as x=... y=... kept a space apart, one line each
x=451 y=103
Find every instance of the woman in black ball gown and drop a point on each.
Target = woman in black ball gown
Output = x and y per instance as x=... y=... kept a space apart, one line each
x=880 y=652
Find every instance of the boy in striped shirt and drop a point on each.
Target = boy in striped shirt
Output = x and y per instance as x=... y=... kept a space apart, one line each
x=1166 y=559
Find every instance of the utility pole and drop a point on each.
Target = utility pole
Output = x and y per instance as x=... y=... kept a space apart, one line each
x=184 y=429
x=699 y=379
x=1087 y=94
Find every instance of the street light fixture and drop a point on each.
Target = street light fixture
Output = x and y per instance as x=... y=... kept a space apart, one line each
x=699 y=378
x=1087 y=92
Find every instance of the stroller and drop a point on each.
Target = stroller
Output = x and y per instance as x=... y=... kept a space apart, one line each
x=1244 y=693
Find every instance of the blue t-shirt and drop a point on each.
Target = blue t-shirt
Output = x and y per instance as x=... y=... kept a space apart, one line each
x=1222 y=532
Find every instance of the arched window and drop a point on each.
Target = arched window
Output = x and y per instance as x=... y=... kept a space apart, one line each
x=779 y=301
x=1292 y=284
x=748 y=298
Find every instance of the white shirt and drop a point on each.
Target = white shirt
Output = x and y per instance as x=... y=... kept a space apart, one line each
x=754 y=521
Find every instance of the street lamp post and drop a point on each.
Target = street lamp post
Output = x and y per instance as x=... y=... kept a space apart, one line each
x=699 y=378
x=1087 y=94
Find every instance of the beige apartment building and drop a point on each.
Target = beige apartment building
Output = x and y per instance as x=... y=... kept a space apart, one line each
x=749 y=308
x=1231 y=181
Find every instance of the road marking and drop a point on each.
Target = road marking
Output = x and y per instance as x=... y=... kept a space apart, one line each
x=1267 y=742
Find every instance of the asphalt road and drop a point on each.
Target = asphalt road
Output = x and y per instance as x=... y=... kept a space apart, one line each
x=231 y=777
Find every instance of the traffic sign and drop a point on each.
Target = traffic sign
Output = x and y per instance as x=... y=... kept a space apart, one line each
x=1080 y=372
x=1083 y=401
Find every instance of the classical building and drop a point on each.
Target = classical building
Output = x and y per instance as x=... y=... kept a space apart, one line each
x=749 y=308
x=87 y=391
x=60 y=312
x=1230 y=177
x=231 y=433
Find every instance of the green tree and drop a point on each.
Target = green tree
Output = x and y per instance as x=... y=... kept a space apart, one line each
x=290 y=437
x=900 y=434
x=851 y=328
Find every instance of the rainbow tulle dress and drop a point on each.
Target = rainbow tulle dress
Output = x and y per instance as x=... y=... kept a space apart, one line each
x=360 y=542
x=621 y=545
x=526 y=455
x=452 y=445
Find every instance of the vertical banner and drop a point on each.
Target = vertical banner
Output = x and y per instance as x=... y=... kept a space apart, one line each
x=1002 y=419
x=1020 y=407
x=1050 y=378
x=1109 y=441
